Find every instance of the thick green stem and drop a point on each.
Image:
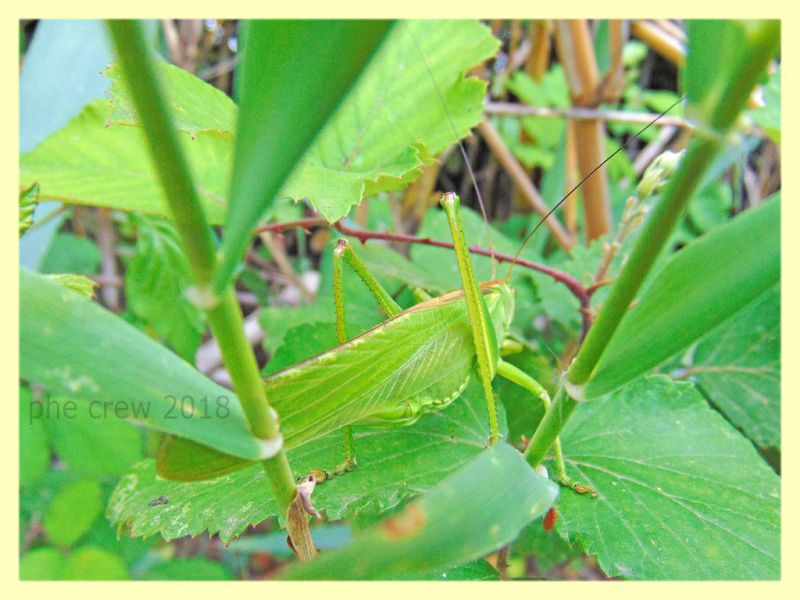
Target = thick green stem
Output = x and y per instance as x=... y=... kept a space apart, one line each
x=227 y=327
x=654 y=235
x=224 y=314
x=763 y=41
x=549 y=428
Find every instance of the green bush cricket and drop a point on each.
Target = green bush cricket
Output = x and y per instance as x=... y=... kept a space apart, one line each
x=418 y=361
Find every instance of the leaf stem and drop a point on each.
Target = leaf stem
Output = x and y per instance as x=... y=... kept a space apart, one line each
x=763 y=42
x=666 y=214
x=224 y=314
x=550 y=426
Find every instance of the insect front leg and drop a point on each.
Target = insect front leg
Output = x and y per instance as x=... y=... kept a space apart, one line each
x=343 y=254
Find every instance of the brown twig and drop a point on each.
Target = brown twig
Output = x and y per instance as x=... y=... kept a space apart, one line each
x=511 y=109
x=576 y=52
x=520 y=178
x=107 y=242
x=661 y=41
x=573 y=285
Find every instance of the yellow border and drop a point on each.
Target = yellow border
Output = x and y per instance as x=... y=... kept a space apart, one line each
x=408 y=8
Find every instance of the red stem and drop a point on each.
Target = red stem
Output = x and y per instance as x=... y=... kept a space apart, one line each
x=574 y=286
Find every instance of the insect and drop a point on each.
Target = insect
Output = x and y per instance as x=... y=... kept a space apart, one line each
x=416 y=362
x=158 y=501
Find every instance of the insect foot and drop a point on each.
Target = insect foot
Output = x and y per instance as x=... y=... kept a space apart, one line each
x=580 y=488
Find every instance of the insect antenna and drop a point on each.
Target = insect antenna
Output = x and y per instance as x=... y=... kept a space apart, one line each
x=462 y=149
x=581 y=182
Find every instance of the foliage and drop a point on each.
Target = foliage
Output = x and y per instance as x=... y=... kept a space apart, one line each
x=681 y=491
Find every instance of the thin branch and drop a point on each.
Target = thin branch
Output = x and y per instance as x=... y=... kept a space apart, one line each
x=572 y=284
x=511 y=109
x=520 y=178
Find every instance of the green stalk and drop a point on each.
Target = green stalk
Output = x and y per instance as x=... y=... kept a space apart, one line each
x=224 y=314
x=764 y=39
x=654 y=235
x=550 y=427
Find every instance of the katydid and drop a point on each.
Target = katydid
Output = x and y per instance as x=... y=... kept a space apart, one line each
x=418 y=361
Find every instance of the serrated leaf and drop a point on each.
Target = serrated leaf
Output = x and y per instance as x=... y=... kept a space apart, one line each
x=393 y=465
x=89 y=163
x=700 y=287
x=738 y=367
x=195 y=109
x=477 y=509
x=58 y=77
x=681 y=494
x=155 y=280
x=73 y=346
x=77 y=283
x=389 y=128
x=87 y=446
x=72 y=512
x=293 y=76
x=394 y=122
x=28 y=201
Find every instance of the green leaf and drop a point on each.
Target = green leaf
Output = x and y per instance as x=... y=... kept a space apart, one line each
x=393 y=122
x=196 y=108
x=72 y=512
x=58 y=77
x=547 y=547
x=28 y=201
x=293 y=76
x=69 y=253
x=711 y=206
x=714 y=46
x=700 y=287
x=41 y=564
x=523 y=411
x=87 y=448
x=74 y=347
x=34 y=451
x=477 y=570
x=192 y=568
x=300 y=343
x=393 y=464
x=93 y=564
x=681 y=494
x=718 y=51
x=475 y=510
x=90 y=163
x=738 y=367
x=155 y=279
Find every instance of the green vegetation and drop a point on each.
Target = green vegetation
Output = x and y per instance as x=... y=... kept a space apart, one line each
x=192 y=347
